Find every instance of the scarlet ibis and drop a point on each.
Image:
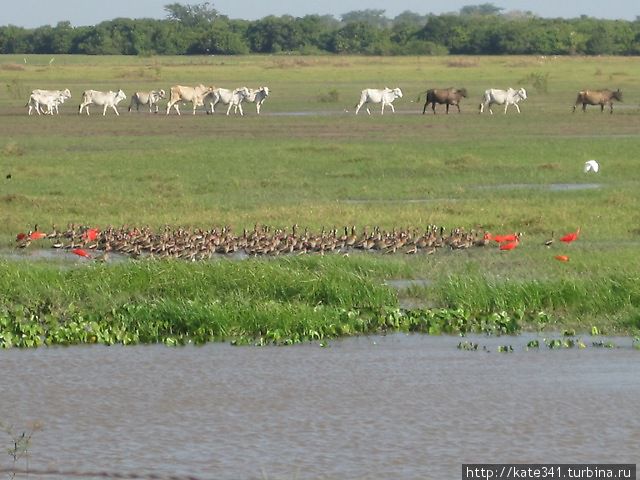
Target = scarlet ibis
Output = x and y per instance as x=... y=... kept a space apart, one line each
x=509 y=245
x=21 y=236
x=80 y=252
x=562 y=258
x=37 y=235
x=91 y=234
x=506 y=238
x=570 y=237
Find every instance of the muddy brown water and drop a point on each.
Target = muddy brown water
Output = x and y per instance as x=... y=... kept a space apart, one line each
x=379 y=407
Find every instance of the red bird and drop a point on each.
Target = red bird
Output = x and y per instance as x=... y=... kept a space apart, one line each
x=37 y=235
x=506 y=238
x=21 y=236
x=562 y=258
x=80 y=252
x=570 y=237
x=510 y=245
x=91 y=234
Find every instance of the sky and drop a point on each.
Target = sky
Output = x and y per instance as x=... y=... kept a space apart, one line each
x=35 y=13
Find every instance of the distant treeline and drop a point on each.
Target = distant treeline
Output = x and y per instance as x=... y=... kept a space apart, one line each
x=200 y=29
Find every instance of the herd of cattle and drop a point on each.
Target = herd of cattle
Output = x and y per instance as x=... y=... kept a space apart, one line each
x=47 y=101
x=493 y=96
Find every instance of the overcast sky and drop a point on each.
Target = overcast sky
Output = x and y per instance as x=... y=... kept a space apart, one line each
x=34 y=13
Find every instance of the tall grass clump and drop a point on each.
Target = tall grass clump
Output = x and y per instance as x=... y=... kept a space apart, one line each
x=613 y=299
x=283 y=301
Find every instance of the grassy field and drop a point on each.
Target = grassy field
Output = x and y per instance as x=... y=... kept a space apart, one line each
x=309 y=160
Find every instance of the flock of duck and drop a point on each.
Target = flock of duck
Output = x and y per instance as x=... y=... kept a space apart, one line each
x=198 y=244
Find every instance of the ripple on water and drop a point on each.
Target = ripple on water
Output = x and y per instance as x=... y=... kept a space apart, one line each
x=395 y=406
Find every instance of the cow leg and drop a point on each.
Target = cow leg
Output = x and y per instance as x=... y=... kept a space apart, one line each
x=517 y=107
x=115 y=109
x=358 y=107
x=424 y=109
x=601 y=107
x=458 y=105
x=229 y=108
x=240 y=108
x=611 y=111
x=368 y=111
x=393 y=110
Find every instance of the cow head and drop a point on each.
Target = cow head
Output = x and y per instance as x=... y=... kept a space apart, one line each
x=397 y=92
x=120 y=96
x=462 y=92
x=522 y=93
x=265 y=90
x=161 y=93
x=617 y=95
x=66 y=93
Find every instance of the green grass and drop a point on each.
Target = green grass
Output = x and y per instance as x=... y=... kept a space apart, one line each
x=331 y=169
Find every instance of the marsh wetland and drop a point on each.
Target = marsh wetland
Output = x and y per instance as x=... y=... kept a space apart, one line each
x=372 y=384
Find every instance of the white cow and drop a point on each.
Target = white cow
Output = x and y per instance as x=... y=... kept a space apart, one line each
x=195 y=95
x=385 y=96
x=106 y=99
x=257 y=96
x=47 y=98
x=233 y=98
x=146 y=98
x=502 y=97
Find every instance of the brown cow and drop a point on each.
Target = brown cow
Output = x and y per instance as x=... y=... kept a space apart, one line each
x=448 y=96
x=196 y=95
x=597 y=97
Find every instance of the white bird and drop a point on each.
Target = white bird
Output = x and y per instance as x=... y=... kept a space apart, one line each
x=591 y=166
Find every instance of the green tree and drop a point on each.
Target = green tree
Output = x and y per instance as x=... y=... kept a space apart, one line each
x=221 y=38
x=191 y=15
x=373 y=17
x=360 y=37
x=481 y=10
x=275 y=34
x=13 y=40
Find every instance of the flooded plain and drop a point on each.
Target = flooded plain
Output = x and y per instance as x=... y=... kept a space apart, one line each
x=377 y=407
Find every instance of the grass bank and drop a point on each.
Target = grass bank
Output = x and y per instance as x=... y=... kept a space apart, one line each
x=285 y=301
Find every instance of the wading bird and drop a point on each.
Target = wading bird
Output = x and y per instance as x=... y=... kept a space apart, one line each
x=510 y=245
x=570 y=237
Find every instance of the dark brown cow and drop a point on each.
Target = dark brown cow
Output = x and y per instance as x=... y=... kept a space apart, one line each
x=448 y=96
x=597 y=97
